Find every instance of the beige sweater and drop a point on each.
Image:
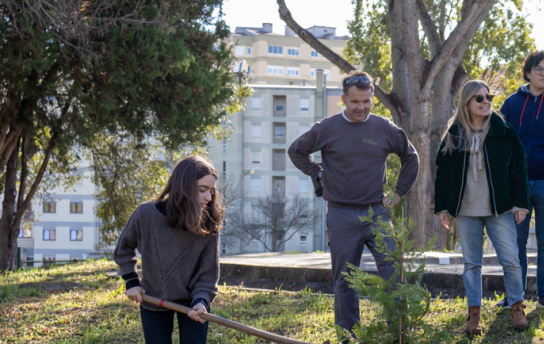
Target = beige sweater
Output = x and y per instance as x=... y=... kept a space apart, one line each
x=476 y=198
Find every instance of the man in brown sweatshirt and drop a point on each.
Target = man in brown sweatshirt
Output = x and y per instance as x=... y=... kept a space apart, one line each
x=354 y=147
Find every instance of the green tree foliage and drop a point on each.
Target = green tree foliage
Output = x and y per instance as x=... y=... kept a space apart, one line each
x=72 y=71
x=494 y=55
x=405 y=302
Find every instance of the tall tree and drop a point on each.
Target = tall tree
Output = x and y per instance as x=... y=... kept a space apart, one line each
x=420 y=53
x=72 y=70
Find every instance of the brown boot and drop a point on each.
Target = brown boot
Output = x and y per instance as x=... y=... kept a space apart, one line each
x=473 y=321
x=518 y=316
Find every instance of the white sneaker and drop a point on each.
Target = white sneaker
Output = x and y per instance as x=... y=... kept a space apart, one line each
x=539 y=304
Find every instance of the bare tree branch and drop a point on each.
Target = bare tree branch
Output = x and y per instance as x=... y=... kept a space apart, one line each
x=330 y=55
x=429 y=27
x=475 y=12
x=278 y=219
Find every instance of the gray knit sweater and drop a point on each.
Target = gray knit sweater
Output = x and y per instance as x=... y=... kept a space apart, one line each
x=177 y=265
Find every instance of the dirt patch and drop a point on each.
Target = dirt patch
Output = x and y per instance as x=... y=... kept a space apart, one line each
x=52 y=288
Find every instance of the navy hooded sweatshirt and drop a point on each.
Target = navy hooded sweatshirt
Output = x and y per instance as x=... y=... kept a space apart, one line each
x=525 y=113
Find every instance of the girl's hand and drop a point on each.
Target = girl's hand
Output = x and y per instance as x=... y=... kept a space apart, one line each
x=520 y=216
x=135 y=294
x=444 y=220
x=196 y=311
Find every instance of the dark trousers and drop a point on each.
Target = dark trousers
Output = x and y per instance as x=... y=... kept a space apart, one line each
x=347 y=239
x=159 y=325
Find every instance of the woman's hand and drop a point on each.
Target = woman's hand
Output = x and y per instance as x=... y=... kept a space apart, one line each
x=444 y=220
x=194 y=313
x=520 y=216
x=135 y=294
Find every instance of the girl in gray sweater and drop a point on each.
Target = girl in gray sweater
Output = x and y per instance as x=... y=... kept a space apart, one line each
x=176 y=236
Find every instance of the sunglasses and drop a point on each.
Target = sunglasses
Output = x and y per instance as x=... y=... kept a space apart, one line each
x=356 y=79
x=479 y=98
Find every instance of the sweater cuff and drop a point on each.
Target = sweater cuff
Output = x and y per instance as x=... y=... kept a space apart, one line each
x=201 y=300
x=442 y=211
x=514 y=209
x=131 y=280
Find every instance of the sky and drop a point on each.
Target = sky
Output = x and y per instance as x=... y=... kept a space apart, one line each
x=334 y=13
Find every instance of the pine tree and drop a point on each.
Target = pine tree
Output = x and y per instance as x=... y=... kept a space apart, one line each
x=403 y=299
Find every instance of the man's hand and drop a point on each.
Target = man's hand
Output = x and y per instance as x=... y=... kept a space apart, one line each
x=520 y=216
x=390 y=203
x=135 y=294
x=194 y=313
x=444 y=220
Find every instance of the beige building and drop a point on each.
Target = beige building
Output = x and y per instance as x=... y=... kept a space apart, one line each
x=275 y=59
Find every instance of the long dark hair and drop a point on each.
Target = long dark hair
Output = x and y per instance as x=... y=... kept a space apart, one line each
x=183 y=211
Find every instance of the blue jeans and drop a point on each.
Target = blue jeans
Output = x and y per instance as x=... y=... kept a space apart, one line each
x=536 y=202
x=502 y=232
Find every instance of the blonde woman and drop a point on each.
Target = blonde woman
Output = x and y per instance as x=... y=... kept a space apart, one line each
x=481 y=180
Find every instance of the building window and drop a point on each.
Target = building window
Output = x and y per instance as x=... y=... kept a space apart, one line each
x=273 y=49
x=279 y=132
x=279 y=105
x=314 y=53
x=279 y=160
x=292 y=71
x=256 y=130
x=255 y=103
x=254 y=242
x=255 y=157
x=326 y=72
x=303 y=240
x=76 y=235
x=303 y=185
x=248 y=70
x=49 y=207
x=293 y=52
x=274 y=70
x=304 y=104
x=248 y=51
x=76 y=208
x=239 y=50
x=49 y=234
x=303 y=129
x=224 y=146
x=255 y=185
x=279 y=185
x=224 y=174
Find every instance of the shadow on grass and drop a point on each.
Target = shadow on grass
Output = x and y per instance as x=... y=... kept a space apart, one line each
x=501 y=330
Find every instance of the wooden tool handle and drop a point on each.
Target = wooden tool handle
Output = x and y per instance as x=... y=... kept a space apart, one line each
x=225 y=322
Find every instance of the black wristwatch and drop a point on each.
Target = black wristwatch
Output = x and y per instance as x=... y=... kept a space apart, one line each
x=319 y=176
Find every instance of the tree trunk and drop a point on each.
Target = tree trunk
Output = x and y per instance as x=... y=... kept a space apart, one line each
x=415 y=79
x=8 y=211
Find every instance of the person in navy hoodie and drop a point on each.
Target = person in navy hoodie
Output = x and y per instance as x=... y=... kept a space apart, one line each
x=524 y=110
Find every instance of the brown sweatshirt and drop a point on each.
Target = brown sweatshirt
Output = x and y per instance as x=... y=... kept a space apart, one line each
x=353 y=159
x=177 y=265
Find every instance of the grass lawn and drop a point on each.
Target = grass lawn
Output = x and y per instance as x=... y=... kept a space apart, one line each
x=35 y=309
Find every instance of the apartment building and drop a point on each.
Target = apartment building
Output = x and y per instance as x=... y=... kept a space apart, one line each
x=273 y=118
x=64 y=225
x=276 y=59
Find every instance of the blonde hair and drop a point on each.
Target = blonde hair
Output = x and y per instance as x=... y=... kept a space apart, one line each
x=463 y=119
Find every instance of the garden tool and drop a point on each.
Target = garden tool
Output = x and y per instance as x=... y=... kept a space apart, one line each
x=225 y=322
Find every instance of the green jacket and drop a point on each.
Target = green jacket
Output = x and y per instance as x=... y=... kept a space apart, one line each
x=505 y=168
